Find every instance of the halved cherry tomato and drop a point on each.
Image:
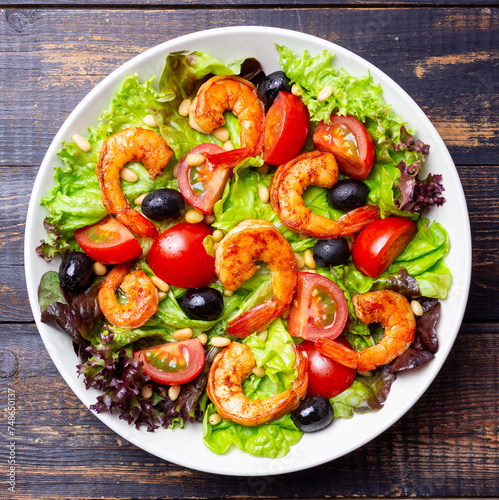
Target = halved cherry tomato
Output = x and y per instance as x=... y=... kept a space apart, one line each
x=286 y=129
x=319 y=308
x=350 y=143
x=202 y=186
x=380 y=243
x=178 y=256
x=108 y=241
x=326 y=377
x=173 y=363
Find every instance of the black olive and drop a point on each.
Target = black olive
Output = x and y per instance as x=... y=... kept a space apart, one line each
x=270 y=86
x=313 y=414
x=163 y=204
x=331 y=252
x=348 y=194
x=75 y=271
x=203 y=303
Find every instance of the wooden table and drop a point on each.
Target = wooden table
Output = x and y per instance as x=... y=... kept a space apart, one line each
x=446 y=57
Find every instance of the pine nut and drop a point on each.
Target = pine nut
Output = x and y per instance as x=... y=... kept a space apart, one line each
x=182 y=334
x=417 y=308
x=128 y=175
x=228 y=293
x=215 y=419
x=264 y=169
x=285 y=314
x=295 y=90
x=220 y=341
x=263 y=193
x=209 y=219
x=259 y=371
x=161 y=296
x=222 y=134
x=300 y=262
x=81 y=142
x=263 y=335
x=203 y=338
x=160 y=284
x=217 y=235
x=146 y=391
x=173 y=392
x=138 y=201
x=175 y=170
x=325 y=92
x=193 y=216
x=184 y=108
x=100 y=269
x=228 y=146
x=195 y=159
x=308 y=257
x=150 y=121
x=365 y=374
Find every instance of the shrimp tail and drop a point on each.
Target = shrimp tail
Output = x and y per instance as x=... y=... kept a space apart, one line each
x=135 y=221
x=358 y=218
x=254 y=319
x=338 y=352
x=229 y=159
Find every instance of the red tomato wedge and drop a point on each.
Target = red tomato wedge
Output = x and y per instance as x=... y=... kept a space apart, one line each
x=326 y=377
x=319 y=308
x=203 y=186
x=286 y=129
x=108 y=241
x=173 y=363
x=380 y=243
x=178 y=256
x=350 y=143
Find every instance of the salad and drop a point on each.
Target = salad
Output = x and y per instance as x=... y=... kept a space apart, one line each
x=175 y=240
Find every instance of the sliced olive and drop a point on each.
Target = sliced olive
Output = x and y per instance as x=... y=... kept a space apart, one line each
x=75 y=271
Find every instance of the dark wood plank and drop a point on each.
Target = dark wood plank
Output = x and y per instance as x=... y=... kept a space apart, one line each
x=443 y=57
x=447 y=445
x=481 y=186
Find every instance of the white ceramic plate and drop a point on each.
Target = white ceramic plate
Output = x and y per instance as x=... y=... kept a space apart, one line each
x=185 y=446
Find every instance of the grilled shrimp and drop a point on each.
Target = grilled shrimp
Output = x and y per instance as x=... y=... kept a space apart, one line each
x=235 y=262
x=395 y=315
x=131 y=144
x=222 y=93
x=286 y=190
x=230 y=369
x=142 y=297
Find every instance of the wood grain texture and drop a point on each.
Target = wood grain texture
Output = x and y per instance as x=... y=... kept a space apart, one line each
x=444 y=58
x=447 y=445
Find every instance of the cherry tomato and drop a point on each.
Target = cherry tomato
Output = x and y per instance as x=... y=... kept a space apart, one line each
x=380 y=243
x=173 y=363
x=202 y=186
x=326 y=377
x=319 y=308
x=108 y=241
x=178 y=256
x=286 y=129
x=350 y=143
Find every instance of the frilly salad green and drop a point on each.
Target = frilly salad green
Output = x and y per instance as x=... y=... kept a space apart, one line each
x=106 y=351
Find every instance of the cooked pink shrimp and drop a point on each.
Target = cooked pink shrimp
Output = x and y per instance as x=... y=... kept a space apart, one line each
x=395 y=315
x=235 y=262
x=142 y=297
x=131 y=144
x=286 y=190
x=230 y=369
x=222 y=93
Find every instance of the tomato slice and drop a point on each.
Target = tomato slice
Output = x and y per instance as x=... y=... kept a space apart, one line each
x=319 y=308
x=326 y=377
x=380 y=243
x=173 y=363
x=178 y=256
x=286 y=129
x=108 y=241
x=203 y=186
x=350 y=143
